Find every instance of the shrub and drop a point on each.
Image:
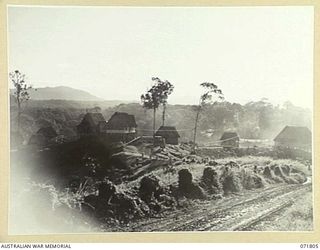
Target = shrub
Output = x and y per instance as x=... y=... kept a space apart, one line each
x=148 y=186
x=295 y=178
x=299 y=177
x=278 y=171
x=269 y=174
x=187 y=187
x=231 y=181
x=250 y=180
x=210 y=181
x=290 y=180
x=286 y=169
x=259 y=181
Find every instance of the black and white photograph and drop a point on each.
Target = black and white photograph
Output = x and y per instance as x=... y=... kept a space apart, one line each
x=160 y=119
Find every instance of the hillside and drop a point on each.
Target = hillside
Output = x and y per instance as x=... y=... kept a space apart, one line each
x=61 y=93
x=64 y=98
x=69 y=104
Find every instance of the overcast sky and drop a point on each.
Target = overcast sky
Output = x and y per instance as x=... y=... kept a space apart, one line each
x=112 y=52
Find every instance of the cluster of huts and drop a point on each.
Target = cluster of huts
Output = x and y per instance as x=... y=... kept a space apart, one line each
x=120 y=127
x=289 y=137
x=123 y=127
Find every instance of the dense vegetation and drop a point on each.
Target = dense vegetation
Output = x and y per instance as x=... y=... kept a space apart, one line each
x=254 y=120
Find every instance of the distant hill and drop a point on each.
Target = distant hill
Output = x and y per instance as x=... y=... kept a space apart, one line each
x=61 y=93
x=65 y=97
x=65 y=104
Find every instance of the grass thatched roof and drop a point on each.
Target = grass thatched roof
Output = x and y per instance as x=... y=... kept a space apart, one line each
x=121 y=120
x=167 y=132
x=93 y=119
x=230 y=135
x=294 y=134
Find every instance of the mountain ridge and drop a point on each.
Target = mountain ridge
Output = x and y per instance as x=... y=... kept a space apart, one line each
x=60 y=93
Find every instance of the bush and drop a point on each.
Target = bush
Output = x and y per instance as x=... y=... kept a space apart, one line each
x=284 y=173
x=148 y=186
x=290 y=180
x=286 y=169
x=210 y=181
x=269 y=174
x=231 y=181
x=278 y=171
x=299 y=177
x=250 y=180
x=187 y=188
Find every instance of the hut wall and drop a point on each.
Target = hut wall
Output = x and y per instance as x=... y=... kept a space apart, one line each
x=172 y=140
x=230 y=143
x=124 y=137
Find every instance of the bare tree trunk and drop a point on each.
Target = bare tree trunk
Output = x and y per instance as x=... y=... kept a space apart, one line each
x=19 y=114
x=154 y=127
x=195 y=131
x=164 y=114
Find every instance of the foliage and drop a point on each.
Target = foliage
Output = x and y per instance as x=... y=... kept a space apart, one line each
x=231 y=181
x=21 y=88
x=21 y=93
x=215 y=119
x=210 y=90
x=157 y=95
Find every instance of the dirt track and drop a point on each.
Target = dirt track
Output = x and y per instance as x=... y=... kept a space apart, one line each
x=234 y=213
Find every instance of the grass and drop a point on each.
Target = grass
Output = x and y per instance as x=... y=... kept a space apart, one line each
x=245 y=162
x=298 y=217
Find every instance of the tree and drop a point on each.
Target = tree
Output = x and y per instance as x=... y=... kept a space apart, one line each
x=157 y=95
x=169 y=89
x=21 y=93
x=97 y=109
x=210 y=90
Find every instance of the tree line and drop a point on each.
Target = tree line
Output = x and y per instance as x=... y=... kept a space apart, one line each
x=204 y=121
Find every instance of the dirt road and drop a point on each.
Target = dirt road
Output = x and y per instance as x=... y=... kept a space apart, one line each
x=238 y=212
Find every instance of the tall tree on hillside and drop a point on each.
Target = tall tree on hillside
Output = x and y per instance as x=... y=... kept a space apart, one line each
x=210 y=90
x=21 y=91
x=168 y=90
x=157 y=95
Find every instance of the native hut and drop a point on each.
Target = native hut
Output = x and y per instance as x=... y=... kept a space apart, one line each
x=230 y=140
x=92 y=124
x=121 y=127
x=169 y=133
x=294 y=137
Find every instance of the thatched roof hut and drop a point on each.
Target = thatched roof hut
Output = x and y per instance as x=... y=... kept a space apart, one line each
x=121 y=127
x=92 y=123
x=121 y=121
x=169 y=133
x=294 y=137
x=230 y=140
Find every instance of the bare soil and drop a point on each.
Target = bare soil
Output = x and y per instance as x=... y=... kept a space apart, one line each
x=246 y=211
